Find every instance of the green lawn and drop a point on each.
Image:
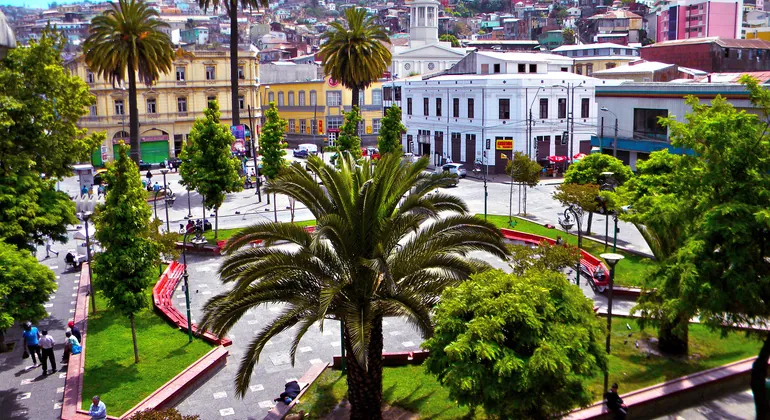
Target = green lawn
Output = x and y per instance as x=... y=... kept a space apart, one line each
x=411 y=388
x=225 y=234
x=629 y=272
x=110 y=371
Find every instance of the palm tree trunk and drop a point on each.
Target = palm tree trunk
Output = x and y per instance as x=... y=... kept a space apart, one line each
x=3 y=347
x=590 y=221
x=354 y=101
x=133 y=335
x=758 y=377
x=234 y=61
x=365 y=385
x=133 y=118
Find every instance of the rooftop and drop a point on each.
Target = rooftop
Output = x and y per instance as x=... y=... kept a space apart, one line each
x=762 y=76
x=723 y=42
x=631 y=68
x=592 y=46
x=530 y=57
x=616 y=14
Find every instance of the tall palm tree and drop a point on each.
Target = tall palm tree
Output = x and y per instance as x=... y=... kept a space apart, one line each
x=127 y=40
x=380 y=248
x=231 y=6
x=355 y=56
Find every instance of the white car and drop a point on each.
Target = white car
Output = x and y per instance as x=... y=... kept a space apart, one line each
x=453 y=168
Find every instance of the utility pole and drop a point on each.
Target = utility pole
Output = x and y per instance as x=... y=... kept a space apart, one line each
x=254 y=155
x=615 y=143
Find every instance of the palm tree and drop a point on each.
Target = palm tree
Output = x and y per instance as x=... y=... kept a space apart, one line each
x=127 y=40
x=231 y=6
x=355 y=56
x=379 y=249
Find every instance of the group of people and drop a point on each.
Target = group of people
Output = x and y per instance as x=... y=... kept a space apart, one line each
x=101 y=189
x=39 y=345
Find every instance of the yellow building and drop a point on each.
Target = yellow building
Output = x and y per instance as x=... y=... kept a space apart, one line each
x=762 y=33
x=320 y=103
x=168 y=108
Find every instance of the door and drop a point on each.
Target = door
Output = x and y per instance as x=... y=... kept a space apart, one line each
x=154 y=151
x=562 y=146
x=470 y=149
x=438 y=158
x=543 y=149
x=456 y=139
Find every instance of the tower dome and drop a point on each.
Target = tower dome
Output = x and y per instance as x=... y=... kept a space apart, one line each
x=7 y=37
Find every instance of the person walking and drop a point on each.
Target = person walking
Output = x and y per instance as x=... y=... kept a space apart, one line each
x=46 y=344
x=615 y=403
x=48 y=250
x=98 y=410
x=31 y=338
x=75 y=331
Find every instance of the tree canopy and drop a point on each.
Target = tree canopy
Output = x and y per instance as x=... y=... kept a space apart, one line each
x=348 y=139
x=451 y=39
x=391 y=129
x=589 y=170
x=271 y=144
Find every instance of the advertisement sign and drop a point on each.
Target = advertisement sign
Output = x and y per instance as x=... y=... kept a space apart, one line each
x=504 y=144
x=239 y=131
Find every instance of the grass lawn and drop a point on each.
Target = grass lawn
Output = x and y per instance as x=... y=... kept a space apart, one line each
x=225 y=234
x=629 y=272
x=413 y=389
x=110 y=371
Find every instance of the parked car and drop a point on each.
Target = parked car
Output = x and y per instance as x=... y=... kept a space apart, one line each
x=300 y=153
x=304 y=150
x=174 y=163
x=453 y=168
x=144 y=166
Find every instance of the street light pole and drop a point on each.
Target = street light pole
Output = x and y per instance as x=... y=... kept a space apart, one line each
x=615 y=141
x=155 y=202
x=197 y=240
x=612 y=259
x=254 y=155
x=169 y=197
x=566 y=224
x=86 y=216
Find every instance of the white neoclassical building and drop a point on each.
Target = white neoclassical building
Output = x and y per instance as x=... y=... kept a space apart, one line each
x=424 y=53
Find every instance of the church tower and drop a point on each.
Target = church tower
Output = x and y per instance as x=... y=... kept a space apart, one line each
x=423 y=22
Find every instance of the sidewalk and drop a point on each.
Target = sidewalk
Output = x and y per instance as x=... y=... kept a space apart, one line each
x=505 y=179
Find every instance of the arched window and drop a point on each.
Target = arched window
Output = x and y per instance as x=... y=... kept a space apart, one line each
x=301 y=97
x=313 y=97
x=291 y=98
x=280 y=99
x=270 y=97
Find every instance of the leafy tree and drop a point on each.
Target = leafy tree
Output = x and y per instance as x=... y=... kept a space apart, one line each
x=231 y=6
x=40 y=105
x=542 y=257
x=25 y=285
x=355 y=56
x=521 y=346
x=208 y=164
x=589 y=170
x=271 y=144
x=462 y=11
x=523 y=171
x=127 y=265
x=127 y=39
x=347 y=139
x=380 y=248
x=581 y=195
x=450 y=38
x=164 y=414
x=391 y=129
x=569 y=35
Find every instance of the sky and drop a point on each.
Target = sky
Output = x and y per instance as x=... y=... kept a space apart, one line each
x=41 y=4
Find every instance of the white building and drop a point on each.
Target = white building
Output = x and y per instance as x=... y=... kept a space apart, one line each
x=424 y=53
x=477 y=112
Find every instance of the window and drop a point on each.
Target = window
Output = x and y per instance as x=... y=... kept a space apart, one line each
x=646 y=124
x=241 y=103
x=211 y=73
x=610 y=66
x=397 y=93
x=496 y=68
x=562 y=108
x=361 y=97
x=376 y=126
x=333 y=123
x=438 y=107
x=211 y=99
x=456 y=107
x=313 y=98
x=361 y=127
x=292 y=126
x=377 y=97
x=120 y=108
x=270 y=97
x=241 y=74
x=408 y=106
x=90 y=76
x=151 y=108
x=387 y=93
x=533 y=68
x=303 y=126
x=505 y=109
x=585 y=107
x=425 y=106
x=485 y=69
x=589 y=69
x=334 y=98
x=301 y=98
x=281 y=97
x=291 y=98
x=92 y=110
x=180 y=74
x=181 y=104
x=471 y=109
x=522 y=68
x=543 y=108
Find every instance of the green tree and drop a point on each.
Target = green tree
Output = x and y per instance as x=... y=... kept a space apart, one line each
x=450 y=38
x=542 y=257
x=208 y=164
x=355 y=56
x=271 y=144
x=521 y=346
x=126 y=42
x=380 y=248
x=127 y=265
x=231 y=6
x=524 y=172
x=591 y=170
x=25 y=285
x=569 y=35
x=391 y=129
x=581 y=195
x=347 y=139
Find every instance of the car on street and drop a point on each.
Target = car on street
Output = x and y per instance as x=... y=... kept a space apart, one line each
x=453 y=168
x=304 y=150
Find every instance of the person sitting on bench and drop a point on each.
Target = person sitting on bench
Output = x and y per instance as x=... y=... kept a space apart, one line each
x=292 y=389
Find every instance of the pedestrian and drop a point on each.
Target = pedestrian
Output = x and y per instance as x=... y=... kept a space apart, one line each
x=156 y=187
x=69 y=342
x=559 y=240
x=31 y=338
x=98 y=410
x=46 y=344
x=84 y=190
x=48 y=245
x=75 y=330
x=615 y=403
x=149 y=176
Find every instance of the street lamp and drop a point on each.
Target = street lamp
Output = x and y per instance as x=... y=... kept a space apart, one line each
x=572 y=215
x=85 y=217
x=615 y=142
x=169 y=198
x=612 y=259
x=197 y=240
x=608 y=185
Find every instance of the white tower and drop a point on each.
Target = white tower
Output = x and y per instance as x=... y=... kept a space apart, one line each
x=423 y=22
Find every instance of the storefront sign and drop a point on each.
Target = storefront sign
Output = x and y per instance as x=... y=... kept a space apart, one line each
x=239 y=131
x=506 y=144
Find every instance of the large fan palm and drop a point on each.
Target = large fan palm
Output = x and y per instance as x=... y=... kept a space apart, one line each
x=355 y=56
x=126 y=40
x=380 y=248
x=231 y=6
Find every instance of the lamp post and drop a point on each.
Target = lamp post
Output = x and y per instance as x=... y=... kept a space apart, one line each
x=155 y=201
x=566 y=222
x=198 y=240
x=169 y=198
x=86 y=216
x=530 y=122
x=253 y=133
x=615 y=141
x=485 y=162
x=612 y=259
x=262 y=105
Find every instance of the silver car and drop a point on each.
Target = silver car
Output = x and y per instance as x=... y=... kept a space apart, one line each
x=453 y=168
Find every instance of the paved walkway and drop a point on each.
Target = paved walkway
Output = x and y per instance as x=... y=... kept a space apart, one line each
x=25 y=393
